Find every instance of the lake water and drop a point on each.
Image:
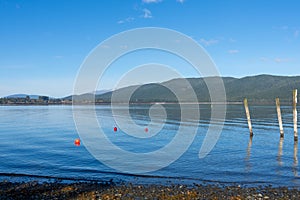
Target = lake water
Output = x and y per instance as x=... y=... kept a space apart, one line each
x=39 y=141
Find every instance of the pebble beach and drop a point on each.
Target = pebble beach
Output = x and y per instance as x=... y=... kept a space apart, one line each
x=94 y=190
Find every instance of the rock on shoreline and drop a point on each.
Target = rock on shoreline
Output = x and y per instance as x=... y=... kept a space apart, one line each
x=93 y=190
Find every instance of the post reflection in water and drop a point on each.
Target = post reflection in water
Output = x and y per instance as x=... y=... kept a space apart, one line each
x=295 y=166
x=248 y=164
x=279 y=156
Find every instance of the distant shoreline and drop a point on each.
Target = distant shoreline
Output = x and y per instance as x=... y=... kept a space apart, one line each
x=123 y=103
x=253 y=103
x=259 y=90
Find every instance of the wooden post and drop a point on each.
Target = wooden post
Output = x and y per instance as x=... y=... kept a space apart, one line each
x=279 y=117
x=248 y=116
x=295 y=114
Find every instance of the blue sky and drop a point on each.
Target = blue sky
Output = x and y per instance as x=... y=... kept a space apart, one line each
x=43 y=43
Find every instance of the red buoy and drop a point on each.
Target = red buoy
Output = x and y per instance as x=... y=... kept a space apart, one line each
x=77 y=142
x=146 y=130
x=115 y=129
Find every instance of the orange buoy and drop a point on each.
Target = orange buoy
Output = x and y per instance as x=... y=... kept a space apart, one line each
x=146 y=130
x=77 y=142
x=115 y=129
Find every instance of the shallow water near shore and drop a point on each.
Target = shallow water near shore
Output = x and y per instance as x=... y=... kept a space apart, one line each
x=38 y=141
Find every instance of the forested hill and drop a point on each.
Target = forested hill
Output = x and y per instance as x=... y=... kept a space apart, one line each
x=260 y=88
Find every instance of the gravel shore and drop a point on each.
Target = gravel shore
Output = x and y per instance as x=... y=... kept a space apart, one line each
x=92 y=190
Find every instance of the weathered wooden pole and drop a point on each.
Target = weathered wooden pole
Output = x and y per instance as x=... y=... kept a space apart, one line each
x=248 y=116
x=279 y=117
x=295 y=114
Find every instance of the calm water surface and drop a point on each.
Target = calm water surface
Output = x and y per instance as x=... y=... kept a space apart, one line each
x=39 y=141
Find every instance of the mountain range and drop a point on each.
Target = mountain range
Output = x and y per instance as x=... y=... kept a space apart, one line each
x=260 y=89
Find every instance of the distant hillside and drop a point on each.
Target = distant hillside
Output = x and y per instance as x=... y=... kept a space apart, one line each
x=98 y=92
x=86 y=95
x=260 y=89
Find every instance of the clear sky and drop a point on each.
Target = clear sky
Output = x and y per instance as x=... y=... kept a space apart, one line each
x=43 y=43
